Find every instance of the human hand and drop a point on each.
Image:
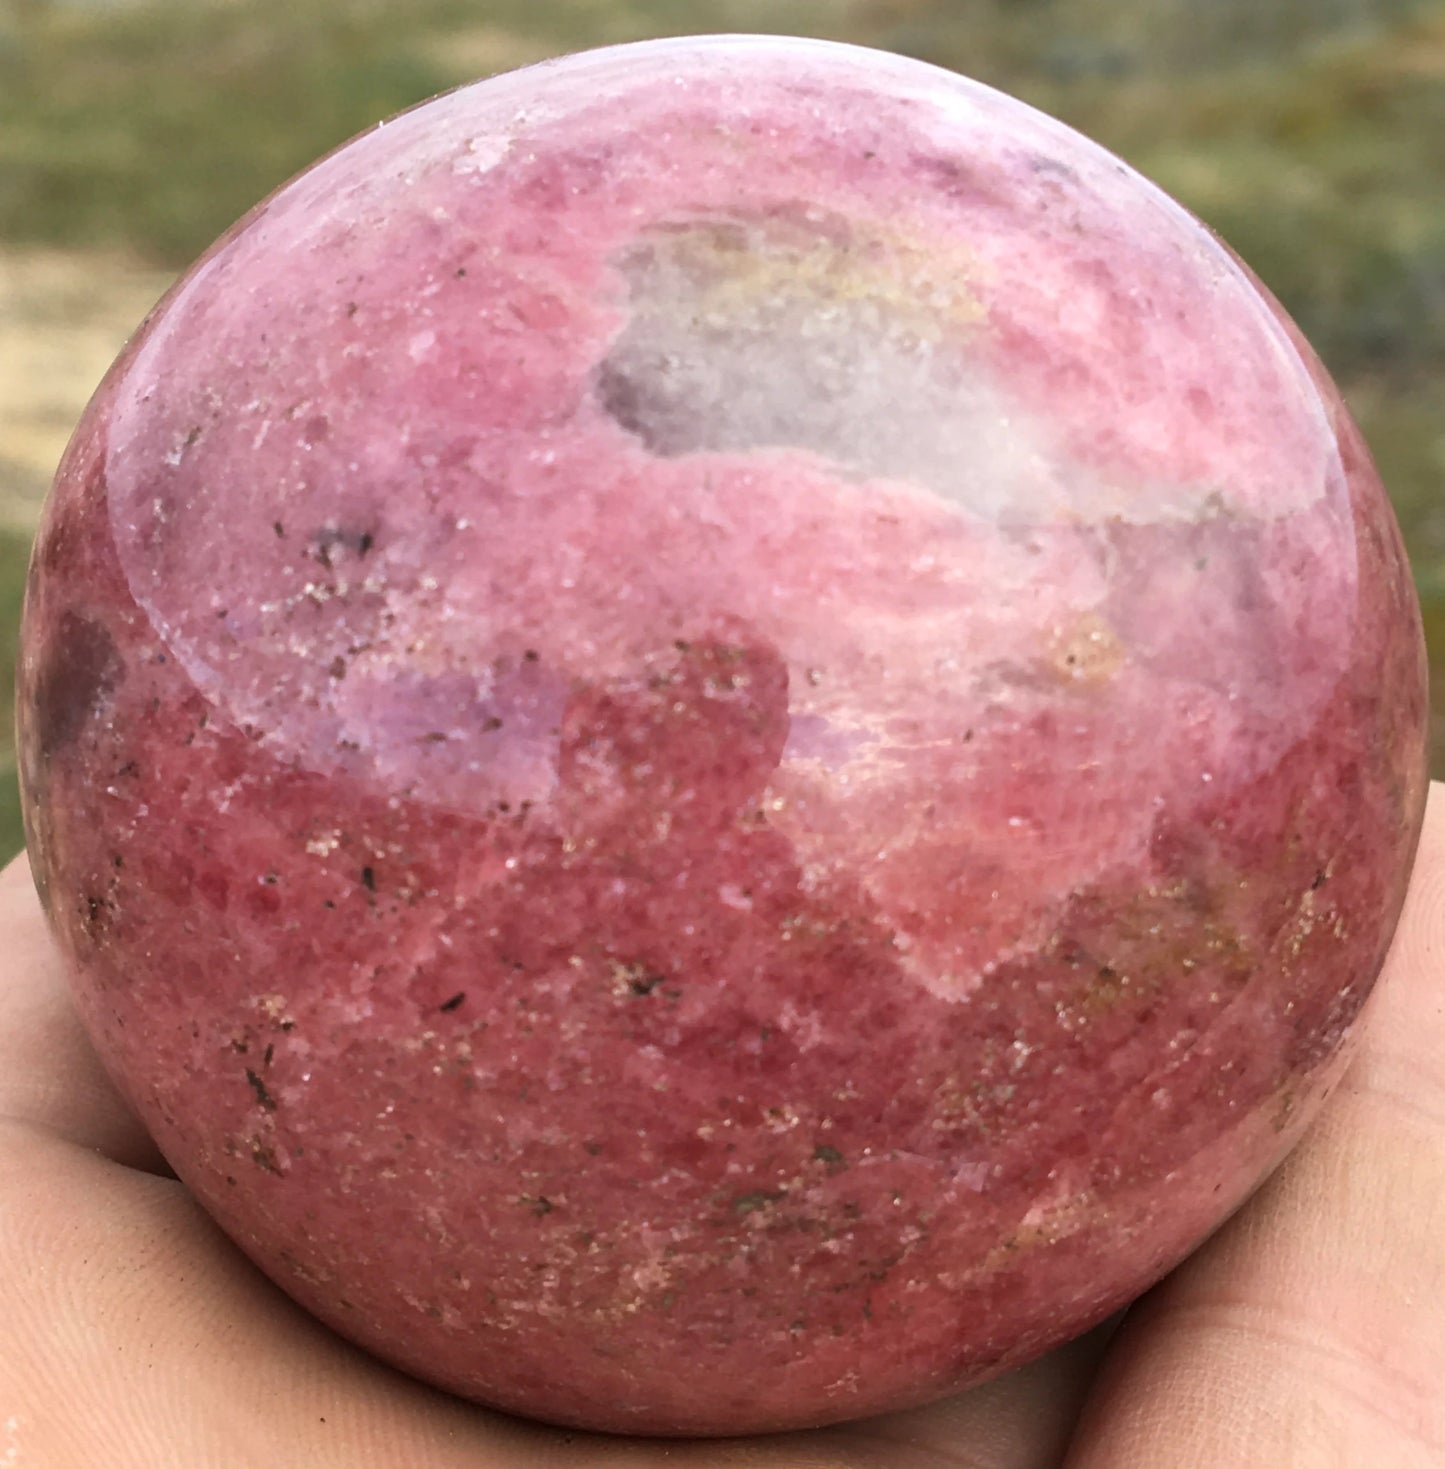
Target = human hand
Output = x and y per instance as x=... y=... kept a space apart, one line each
x=1310 y=1331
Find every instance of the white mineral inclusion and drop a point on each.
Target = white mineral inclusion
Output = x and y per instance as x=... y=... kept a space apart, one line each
x=842 y=343
x=483 y=153
x=876 y=373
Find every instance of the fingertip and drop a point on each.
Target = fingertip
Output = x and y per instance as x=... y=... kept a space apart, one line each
x=1305 y=1331
x=50 y=1075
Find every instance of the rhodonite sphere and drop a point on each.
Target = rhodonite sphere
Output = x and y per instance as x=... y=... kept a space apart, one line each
x=724 y=734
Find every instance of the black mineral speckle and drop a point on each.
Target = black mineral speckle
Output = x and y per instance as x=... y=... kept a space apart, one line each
x=264 y=1097
x=331 y=542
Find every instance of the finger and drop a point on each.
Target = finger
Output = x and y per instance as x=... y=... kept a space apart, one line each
x=50 y=1075
x=136 y=1335
x=1022 y=1421
x=143 y=1238
x=1310 y=1330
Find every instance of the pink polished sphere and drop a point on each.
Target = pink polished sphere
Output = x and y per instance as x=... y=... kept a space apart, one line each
x=725 y=734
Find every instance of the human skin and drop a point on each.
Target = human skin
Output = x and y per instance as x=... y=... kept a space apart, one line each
x=1307 y=1332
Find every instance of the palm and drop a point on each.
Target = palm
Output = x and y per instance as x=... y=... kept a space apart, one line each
x=1308 y=1332
x=160 y=1333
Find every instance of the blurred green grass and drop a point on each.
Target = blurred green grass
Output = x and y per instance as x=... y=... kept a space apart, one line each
x=14 y=559
x=1310 y=133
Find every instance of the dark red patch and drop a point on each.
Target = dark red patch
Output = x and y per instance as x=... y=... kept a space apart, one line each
x=79 y=666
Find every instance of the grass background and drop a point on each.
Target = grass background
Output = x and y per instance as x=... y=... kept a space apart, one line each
x=1310 y=133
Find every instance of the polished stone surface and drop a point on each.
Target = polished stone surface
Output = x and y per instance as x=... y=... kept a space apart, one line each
x=726 y=734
